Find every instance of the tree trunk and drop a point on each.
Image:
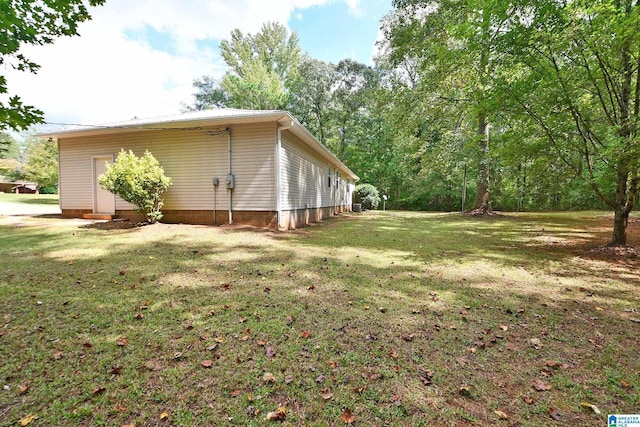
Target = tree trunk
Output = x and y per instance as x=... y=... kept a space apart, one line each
x=626 y=188
x=482 y=186
x=620 y=227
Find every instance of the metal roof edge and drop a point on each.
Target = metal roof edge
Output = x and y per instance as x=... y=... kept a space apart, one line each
x=315 y=143
x=195 y=121
x=183 y=121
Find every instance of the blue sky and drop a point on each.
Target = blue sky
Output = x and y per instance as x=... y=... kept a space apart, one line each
x=139 y=58
x=332 y=33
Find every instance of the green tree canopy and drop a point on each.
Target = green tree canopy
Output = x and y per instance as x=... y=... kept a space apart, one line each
x=25 y=22
x=41 y=166
x=262 y=69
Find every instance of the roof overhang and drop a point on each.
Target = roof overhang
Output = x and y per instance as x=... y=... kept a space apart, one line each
x=199 y=120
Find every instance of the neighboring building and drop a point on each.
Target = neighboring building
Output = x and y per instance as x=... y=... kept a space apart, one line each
x=254 y=167
x=18 y=187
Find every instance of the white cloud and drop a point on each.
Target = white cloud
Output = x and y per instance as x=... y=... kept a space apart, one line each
x=354 y=8
x=104 y=76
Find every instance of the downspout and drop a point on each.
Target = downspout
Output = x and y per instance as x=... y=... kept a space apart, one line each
x=278 y=161
x=230 y=178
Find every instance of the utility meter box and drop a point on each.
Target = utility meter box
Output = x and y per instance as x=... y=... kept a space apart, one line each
x=215 y=182
x=230 y=181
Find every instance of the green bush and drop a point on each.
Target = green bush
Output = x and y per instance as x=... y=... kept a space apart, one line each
x=138 y=180
x=367 y=195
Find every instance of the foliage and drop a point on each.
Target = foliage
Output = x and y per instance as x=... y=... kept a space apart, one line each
x=574 y=75
x=367 y=195
x=208 y=95
x=138 y=180
x=41 y=166
x=311 y=96
x=262 y=68
x=9 y=147
x=23 y=22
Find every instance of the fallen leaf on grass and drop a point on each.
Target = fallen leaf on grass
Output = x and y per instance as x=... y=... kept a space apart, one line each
x=347 y=416
x=268 y=377
x=555 y=415
x=289 y=320
x=512 y=347
x=24 y=389
x=278 y=415
x=504 y=327
x=556 y=365
x=27 y=420
x=501 y=414
x=465 y=391
x=261 y=343
x=393 y=354
x=541 y=385
x=371 y=375
x=115 y=370
x=57 y=355
x=98 y=390
x=594 y=408
x=164 y=415
x=235 y=392
x=528 y=400
x=536 y=343
x=270 y=352
x=305 y=334
x=139 y=316
x=206 y=363
x=326 y=394
x=122 y=342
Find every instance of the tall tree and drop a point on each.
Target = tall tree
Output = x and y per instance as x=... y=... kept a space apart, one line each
x=9 y=147
x=576 y=75
x=41 y=166
x=262 y=69
x=28 y=22
x=454 y=43
x=311 y=96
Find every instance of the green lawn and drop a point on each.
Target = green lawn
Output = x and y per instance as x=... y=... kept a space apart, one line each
x=31 y=199
x=402 y=319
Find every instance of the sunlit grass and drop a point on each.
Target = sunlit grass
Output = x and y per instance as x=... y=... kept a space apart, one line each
x=412 y=319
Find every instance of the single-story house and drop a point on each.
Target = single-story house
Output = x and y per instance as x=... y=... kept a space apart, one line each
x=227 y=165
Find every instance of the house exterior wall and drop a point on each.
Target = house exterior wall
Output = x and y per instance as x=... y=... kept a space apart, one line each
x=311 y=188
x=191 y=158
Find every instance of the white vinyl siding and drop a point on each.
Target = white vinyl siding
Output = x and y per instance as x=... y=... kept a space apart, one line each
x=303 y=177
x=253 y=149
x=190 y=157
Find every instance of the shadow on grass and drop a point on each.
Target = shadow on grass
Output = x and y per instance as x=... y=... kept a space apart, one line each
x=401 y=312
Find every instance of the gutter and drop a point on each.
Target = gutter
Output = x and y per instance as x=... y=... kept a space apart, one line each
x=229 y=180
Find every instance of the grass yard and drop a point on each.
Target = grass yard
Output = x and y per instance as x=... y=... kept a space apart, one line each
x=30 y=199
x=384 y=318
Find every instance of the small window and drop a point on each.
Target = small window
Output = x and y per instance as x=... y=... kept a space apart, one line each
x=329 y=177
